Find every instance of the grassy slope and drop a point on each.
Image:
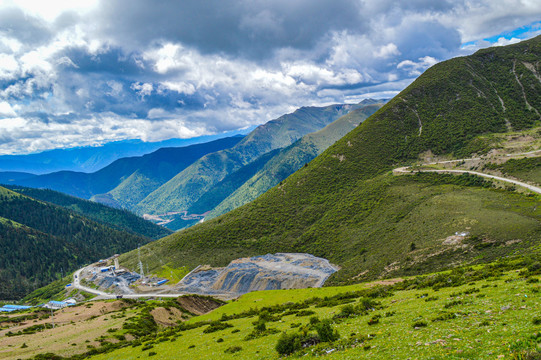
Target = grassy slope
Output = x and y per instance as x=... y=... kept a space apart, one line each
x=160 y=166
x=188 y=186
x=292 y=159
x=223 y=189
x=484 y=318
x=119 y=219
x=331 y=207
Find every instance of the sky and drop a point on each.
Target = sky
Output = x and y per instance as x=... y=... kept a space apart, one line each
x=86 y=72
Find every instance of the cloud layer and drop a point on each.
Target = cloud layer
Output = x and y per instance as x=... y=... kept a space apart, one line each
x=107 y=70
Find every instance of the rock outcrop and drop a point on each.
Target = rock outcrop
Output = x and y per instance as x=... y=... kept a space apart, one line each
x=266 y=272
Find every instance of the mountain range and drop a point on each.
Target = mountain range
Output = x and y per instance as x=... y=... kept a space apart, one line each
x=196 y=179
x=93 y=158
x=346 y=205
x=156 y=168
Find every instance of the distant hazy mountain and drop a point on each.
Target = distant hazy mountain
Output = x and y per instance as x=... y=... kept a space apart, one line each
x=156 y=167
x=93 y=158
x=187 y=187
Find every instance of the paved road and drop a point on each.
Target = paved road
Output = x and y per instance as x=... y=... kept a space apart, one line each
x=407 y=170
x=77 y=285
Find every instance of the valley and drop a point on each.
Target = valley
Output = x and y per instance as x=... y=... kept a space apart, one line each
x=405 y=229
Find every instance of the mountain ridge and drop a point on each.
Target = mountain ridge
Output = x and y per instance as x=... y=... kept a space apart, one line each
x=187 y=187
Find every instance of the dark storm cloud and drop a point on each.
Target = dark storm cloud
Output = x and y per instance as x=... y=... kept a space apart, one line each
x=253 y=28
x=27 y=29
x=427 y=38
x=111 y=60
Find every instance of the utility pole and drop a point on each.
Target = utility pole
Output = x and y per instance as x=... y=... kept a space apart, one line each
x=140 y=263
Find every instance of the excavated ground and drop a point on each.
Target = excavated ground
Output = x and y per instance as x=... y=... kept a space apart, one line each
x=266 y=272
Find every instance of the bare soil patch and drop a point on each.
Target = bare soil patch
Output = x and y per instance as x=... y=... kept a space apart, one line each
x=198 y=305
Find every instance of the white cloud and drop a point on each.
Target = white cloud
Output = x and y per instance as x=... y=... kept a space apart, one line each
x=8 y=67
x=503 y=41
x=116 y=88
x=50 y=10
x=387 y=51
x=142 y=89
x=180 y=87
x=12 y=44
x=6 y=111
x=416 y=68
x=92 y=80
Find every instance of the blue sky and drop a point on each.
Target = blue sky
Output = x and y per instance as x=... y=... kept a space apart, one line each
x=507 y=37
x=75 y=73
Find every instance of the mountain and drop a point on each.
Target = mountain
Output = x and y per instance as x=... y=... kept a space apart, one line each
x=93 y=158
x=157 y=167
x=41 y=241
x=347 y=206
x=291 y=159
x=8 y=177
x=188 y=186
x=115 y=218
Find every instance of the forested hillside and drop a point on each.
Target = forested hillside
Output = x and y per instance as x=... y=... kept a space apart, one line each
x=116 y=218
x=39 y=241
x=347 y=207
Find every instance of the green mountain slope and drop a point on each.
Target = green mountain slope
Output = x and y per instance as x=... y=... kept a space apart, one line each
x=292 y=158
x=118 y=219
x=39 y=241
x=188 y=186
x=231 y=183
x=346 y=206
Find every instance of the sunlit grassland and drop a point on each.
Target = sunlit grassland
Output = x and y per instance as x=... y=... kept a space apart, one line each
x=486 y=318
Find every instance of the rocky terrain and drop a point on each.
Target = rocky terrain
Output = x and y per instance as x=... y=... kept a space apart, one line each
x=266 y=272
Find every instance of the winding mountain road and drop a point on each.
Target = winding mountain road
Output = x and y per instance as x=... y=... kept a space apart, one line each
x=408 y=170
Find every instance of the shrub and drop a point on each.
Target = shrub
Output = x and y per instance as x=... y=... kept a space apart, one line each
x=260 y=326
x=232 y=349
x=305 y=313
x=326 y=332
x=220 y=340
x=374 y=320
x=288 y=343
x=216 y=326
x=444 y=316
x=346 y=311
